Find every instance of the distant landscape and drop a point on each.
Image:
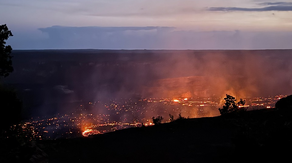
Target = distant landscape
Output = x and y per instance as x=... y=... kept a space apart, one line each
x=55 y=79
x=70 y=94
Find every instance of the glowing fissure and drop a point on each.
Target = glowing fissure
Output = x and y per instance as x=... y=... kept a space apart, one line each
x=90 y=131
x=128 y=113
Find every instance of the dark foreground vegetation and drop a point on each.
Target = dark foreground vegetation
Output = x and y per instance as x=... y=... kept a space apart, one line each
x=250 y=136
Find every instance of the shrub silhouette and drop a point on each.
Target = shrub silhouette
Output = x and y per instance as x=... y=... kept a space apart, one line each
x=231 y=105
x=157 y=120
x=180 y=117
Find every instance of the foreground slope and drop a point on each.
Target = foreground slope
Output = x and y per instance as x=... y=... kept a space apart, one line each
x=262 y=135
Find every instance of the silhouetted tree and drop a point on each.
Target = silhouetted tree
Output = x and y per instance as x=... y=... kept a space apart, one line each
x=157 y=120
x=5 y=57
x=230 y=105
x=10 y=105
x=241 y=102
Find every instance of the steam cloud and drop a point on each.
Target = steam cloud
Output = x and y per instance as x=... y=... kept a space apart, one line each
x=102 y=75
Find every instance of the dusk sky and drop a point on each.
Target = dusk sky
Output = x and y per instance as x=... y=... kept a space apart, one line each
x=148 y=24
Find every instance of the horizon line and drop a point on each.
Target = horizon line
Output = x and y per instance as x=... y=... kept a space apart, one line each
x=148 y=49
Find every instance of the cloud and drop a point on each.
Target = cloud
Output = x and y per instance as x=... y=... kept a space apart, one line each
x=276 y=3
x=270 y=6
x=63 y=89
x=104 y=37
x=9 y=4
x=149 y=37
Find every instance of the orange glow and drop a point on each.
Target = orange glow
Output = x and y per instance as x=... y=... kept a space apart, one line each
x=88 y=132
x=175 y=100
x=268 y=107
x=149 y=124
x=185 y=99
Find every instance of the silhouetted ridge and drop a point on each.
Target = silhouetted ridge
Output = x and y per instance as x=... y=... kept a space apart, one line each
x=284 y=103
x=251 y=136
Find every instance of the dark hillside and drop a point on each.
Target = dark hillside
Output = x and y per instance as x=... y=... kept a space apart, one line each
x=263 y=135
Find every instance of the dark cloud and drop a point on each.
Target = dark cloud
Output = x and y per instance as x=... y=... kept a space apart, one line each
x=271 y=6
x=276 y=3
x=104 y=37
x=139 y=38
x=58 y=37
x=101 y=29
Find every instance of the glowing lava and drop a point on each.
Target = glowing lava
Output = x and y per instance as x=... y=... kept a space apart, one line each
x=149 y=124
x=175 y=100
x=89 y=131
